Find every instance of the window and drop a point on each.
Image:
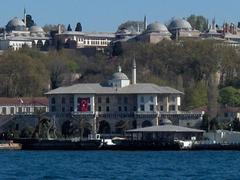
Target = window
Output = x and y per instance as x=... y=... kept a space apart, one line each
x=142 y=108
x=107 y=100
x=125 y=100
x=53 y=101
x=119 y=100
x=71 y=99
x=99 y=100
x=142 y=99
x=151 y=99
x=107 y=108
x=20 y=109
x=160 y=98
x=134 y=108
x=161 y=108
x=125 y=108
x=4 y=110
x=53 y=108
x=63 y=109
x=12 y=110
x=172 y=108
x=28 y=109
x=171 y=99
x=151 y=107
x=99 y=108
x=119 y=108
x=63 y=100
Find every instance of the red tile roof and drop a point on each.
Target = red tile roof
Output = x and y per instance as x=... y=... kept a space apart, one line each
x=41 y=101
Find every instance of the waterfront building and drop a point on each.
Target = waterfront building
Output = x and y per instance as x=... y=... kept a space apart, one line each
x=19 y=113
x=165 y=132
x=116 y=105
x=23 y=105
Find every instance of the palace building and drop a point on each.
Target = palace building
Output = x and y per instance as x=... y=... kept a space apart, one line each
x=117 y=105
x=16 y=35
x=77 y=39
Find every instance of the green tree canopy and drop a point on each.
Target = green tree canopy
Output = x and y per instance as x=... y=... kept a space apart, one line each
x=198 y=22
x=229 y=96
x=78 y=27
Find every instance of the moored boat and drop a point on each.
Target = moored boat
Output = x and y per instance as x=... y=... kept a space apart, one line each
x=59 y=144
x=10 y=145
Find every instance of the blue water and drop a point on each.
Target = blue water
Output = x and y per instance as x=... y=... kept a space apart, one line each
x=119 y=165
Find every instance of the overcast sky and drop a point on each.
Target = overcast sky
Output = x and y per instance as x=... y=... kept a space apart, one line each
x=106 y=15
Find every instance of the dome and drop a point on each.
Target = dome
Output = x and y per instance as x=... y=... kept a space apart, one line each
x=179 y=23
x=165 y=121
x=15 y=24
x=36 y=29
x=156 y=27
x=119 y=76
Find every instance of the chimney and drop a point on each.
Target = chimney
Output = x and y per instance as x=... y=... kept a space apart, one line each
x=134 y=72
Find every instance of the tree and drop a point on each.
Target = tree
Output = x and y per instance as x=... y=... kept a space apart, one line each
x=198 y=22
x=229 y=96
x=69 y=28
x=78 y=27
x=21 y=75
x=30 y=21
x=132 y=26
x=212 y=93
x=57 y=69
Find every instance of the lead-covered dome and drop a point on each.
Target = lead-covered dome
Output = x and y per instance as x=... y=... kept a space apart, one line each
x=157 y=27
x=15 y=24
x=36 y=29
x=119 y=76
x=179 y=23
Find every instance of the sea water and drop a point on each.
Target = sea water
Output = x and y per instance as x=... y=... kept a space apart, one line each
x=119 y=165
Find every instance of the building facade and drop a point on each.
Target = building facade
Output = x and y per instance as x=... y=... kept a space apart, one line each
x=114 y=106
x=23 y=106
x=77 y=39
x=16 y=35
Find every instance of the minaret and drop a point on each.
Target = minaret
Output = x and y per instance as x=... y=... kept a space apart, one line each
x=145 y=23
x=4 y=34
x=134 y=72
x=59 y=29
x=25 y=17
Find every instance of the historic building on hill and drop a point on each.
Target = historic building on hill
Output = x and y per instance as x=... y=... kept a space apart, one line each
x=154 y=33
x=16 y=35
x=77 y=39
x=117 y=105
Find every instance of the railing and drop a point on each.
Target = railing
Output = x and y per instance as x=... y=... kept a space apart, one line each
x=140 y=114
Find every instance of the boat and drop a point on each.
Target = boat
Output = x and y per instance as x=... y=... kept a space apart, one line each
x=10 y=145
x=126 y=144
x=59 y=144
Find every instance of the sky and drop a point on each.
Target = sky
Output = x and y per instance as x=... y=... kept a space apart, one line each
x=107 y=15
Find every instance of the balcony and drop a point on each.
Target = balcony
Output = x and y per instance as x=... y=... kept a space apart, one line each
x=115 y=114
x=83 y=114
x=143 y=114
